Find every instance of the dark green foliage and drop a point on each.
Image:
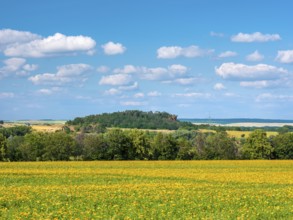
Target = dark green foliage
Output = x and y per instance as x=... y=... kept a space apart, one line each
x=16 y=131
x=219 y=146
x=13 y=148
x=135 y=144
x=283 y=146
x=129 y=119
x=3 y=146
x=94 y=147
x=257 y=146
x=58 y=146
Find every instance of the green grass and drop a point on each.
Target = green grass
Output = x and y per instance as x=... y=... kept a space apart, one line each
x=147 y=190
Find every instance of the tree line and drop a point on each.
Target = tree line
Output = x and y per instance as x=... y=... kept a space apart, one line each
x=21 y=144
x=128 y=119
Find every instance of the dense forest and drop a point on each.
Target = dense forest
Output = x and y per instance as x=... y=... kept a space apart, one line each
x=22 y=144
x=150 y=120
x=129 y=119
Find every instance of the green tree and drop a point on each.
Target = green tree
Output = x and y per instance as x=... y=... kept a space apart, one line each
x=164 y=147
x=59 y=146
x=119 y=145
x=3 y=147
x=13 y=148
x=283 y=146
x=257 y=146
x=140 y=144
x=186 y=150
x=33 y=146
x=94 y=147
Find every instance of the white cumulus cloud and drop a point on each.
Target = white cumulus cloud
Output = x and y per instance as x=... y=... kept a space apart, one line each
x=255 y=56
x=285 y=56
x=219 y=86
x=112 y=91
x=176 y=51
x=227 y=54
x=17 y=66
x=133 y=86
x=255 y=84
x=116 y=80
x=138 y=95
x=9 y=37
x=126 y=69
x=112 y=48
x=177 y=69
x=65 y=74
x=235 y=71
x=51 y=46
x=255 y=37
x=103 y=69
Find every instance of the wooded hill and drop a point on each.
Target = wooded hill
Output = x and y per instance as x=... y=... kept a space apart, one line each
x=130 y=119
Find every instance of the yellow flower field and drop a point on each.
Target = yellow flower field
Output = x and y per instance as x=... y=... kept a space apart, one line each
x=147 y=190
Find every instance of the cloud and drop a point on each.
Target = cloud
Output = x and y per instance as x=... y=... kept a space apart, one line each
x=255 y=56
x=132 y=103
x=65 y=74
x=227 y=54
x=255 y=84
x=177 y=69
x=161 y=73
x=157 y=73
x=285 y=56
x=193 y=95
x=55 y=45
x=154 y=94
x=134 y=86
x=6 y=95
x=236 y=71
x=138 y=95
x=116 y=80
x=112 y=48
x=219 y=86
x=126 y=69
x=216 y=34
x=112 y=91
x=268 y=97
x=255 y=37
x=10 y=37
x=49 y=91
x=103 y=69
x=17 y=66
x=186 y=80
x=176 y=51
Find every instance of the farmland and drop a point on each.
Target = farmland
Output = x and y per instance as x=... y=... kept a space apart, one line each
x=147 y=190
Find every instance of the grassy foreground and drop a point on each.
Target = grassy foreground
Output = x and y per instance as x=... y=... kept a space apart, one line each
x=147 y=190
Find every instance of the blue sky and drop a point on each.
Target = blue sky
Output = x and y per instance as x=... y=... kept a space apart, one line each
x=196 y=59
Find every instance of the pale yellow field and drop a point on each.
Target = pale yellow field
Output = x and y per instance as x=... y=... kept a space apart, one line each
x=47 y=128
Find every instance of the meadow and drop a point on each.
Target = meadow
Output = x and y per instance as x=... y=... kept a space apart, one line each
x=260 y=189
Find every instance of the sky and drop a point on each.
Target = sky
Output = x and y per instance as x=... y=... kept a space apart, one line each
x=196 y=59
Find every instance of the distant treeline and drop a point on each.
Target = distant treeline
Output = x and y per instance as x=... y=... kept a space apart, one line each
x=21 y=144
x=150 y=120
x=129 y=119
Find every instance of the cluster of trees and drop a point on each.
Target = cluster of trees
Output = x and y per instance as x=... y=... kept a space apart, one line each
x=150 y=120
x=134 y=144
x=128 y=119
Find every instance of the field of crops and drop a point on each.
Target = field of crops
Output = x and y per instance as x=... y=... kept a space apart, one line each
x=147 y=190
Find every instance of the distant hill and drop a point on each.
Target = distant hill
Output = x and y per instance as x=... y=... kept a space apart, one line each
x=130 y=119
